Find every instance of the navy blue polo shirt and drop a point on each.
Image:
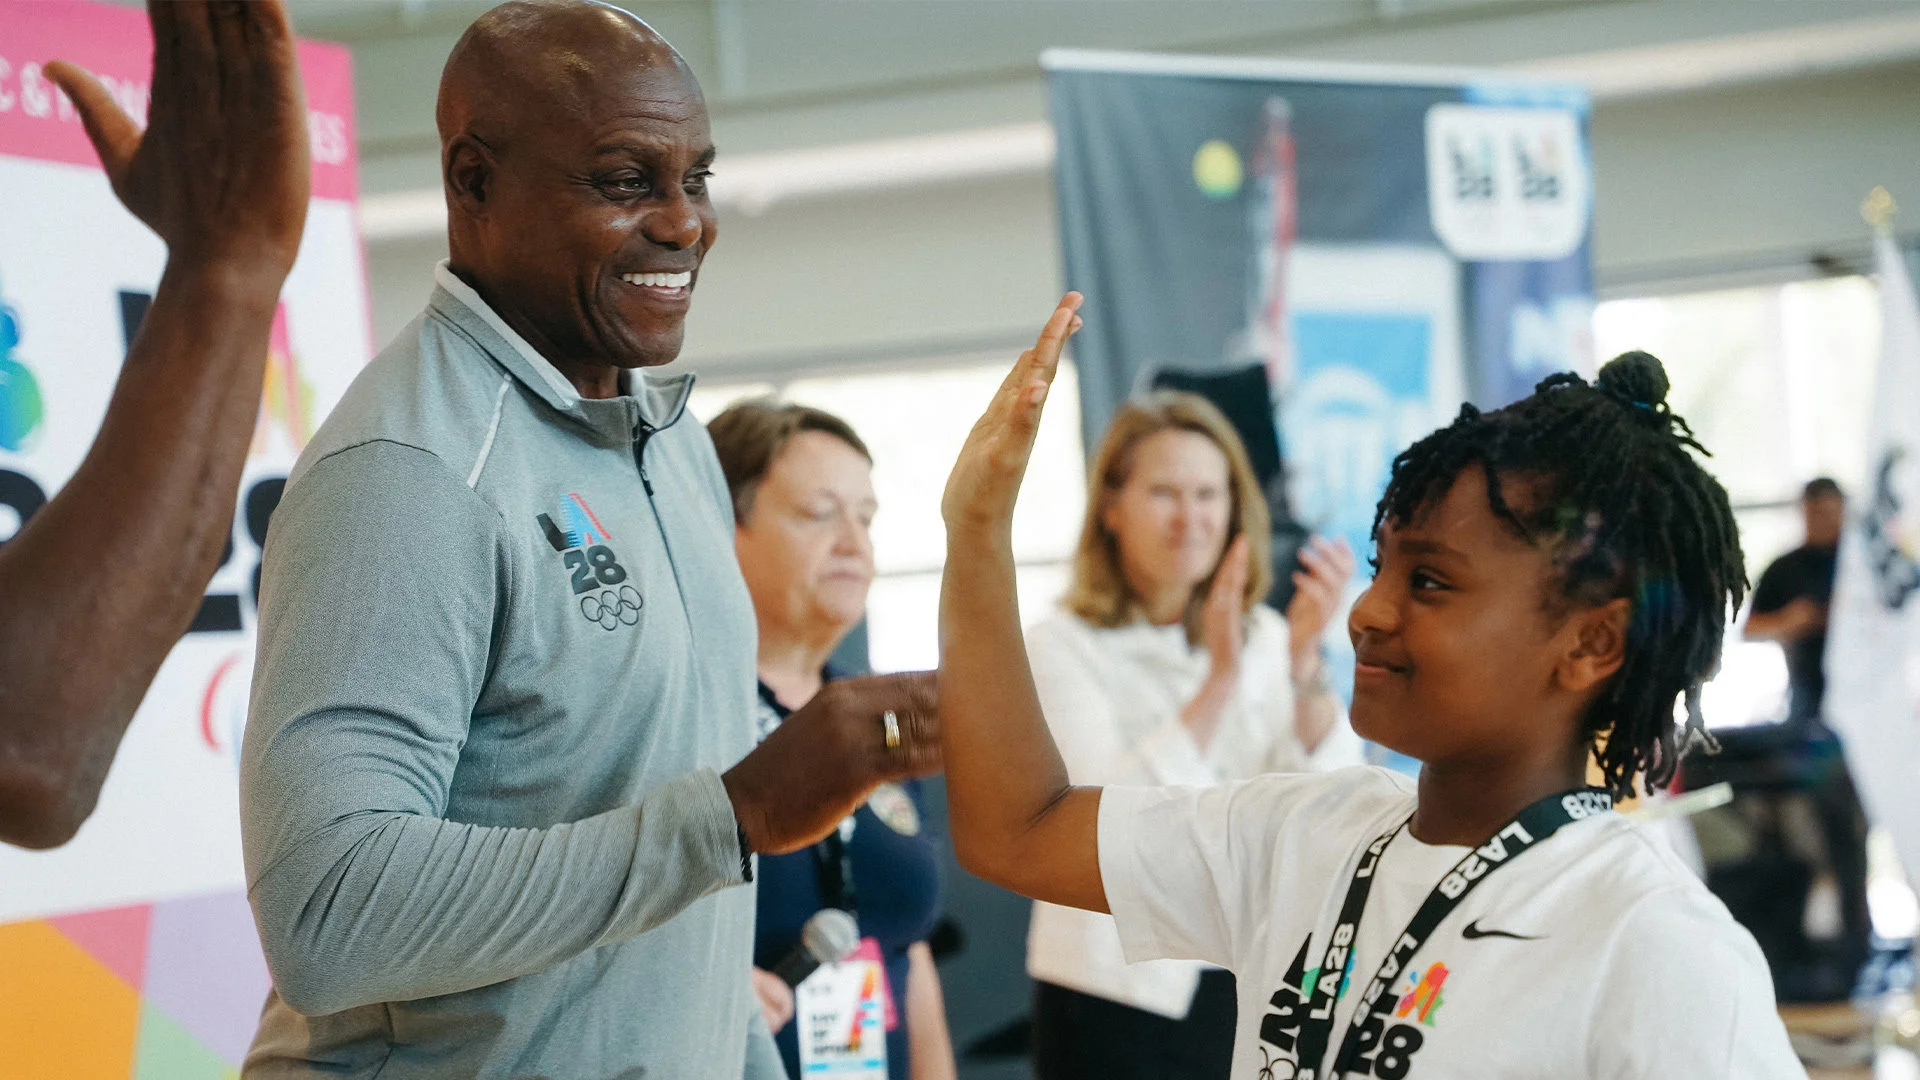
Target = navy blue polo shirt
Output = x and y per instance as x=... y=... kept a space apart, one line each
x=895 y=894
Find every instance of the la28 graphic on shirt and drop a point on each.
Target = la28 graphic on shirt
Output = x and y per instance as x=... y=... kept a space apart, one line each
x=594 y=571
x=1388 y=1038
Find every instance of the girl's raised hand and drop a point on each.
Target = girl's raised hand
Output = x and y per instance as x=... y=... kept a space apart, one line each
x=985 y=481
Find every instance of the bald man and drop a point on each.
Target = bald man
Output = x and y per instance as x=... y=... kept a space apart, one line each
x=505 y=649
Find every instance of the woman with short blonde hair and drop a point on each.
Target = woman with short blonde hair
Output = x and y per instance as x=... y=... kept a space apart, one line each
x=1164 y=668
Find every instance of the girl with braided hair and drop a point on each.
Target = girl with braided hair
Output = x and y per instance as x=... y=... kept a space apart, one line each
x=1551 y=580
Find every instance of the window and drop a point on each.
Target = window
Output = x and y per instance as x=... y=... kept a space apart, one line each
x=1777 y=383
x=914 y=422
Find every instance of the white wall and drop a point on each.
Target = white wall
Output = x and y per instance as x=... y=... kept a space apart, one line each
x=1769 y=173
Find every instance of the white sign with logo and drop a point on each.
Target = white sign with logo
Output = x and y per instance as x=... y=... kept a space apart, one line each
x=1506 y=183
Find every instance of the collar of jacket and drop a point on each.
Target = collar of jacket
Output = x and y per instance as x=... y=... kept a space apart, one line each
x=649 y=400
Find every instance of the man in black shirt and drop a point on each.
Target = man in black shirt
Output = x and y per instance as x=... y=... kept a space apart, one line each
x=1790 y=602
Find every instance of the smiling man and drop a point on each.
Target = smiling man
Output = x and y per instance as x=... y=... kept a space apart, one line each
x=505 y=648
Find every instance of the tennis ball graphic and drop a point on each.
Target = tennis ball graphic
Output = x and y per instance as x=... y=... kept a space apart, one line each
x=1216 y=170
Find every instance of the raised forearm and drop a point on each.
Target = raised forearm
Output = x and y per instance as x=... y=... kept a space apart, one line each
x=1015 y=819
x=1203 y=711
x=1315 y=708
x=1315 y=715
x=106 y=577
x=929 y=1043
x=1781 y=626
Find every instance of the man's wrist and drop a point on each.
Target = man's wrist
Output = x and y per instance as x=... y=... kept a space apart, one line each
x=744 y=818
x=746 y=853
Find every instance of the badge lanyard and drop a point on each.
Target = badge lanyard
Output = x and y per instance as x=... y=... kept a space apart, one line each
x=833 y=868
x=844 y=1009
x=1528 y=829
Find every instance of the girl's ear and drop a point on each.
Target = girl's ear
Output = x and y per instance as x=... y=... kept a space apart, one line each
x=1598 y=645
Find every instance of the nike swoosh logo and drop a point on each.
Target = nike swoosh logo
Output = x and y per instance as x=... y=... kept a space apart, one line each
x=1474 y=933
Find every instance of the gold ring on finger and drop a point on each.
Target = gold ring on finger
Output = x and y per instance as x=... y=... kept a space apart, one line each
x=892 y=723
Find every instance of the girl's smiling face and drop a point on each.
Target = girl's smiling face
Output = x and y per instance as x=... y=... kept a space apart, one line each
x=1461 y=650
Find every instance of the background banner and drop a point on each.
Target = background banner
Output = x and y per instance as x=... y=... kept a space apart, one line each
x=1873 y=636
x=131 y=952
x=1384 y=243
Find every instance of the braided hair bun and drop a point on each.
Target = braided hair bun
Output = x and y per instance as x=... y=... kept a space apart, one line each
x=1635 y=378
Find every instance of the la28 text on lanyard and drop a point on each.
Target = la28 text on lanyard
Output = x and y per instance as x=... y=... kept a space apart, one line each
x=1375 y=1047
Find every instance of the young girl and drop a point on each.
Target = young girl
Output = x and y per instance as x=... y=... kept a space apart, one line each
x=1550 y=578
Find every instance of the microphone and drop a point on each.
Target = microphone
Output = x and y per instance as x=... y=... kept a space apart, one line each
x=829 y=937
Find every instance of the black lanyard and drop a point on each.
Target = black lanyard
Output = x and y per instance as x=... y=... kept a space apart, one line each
x=1527 y=829
x=832 y=857
x=833 y=869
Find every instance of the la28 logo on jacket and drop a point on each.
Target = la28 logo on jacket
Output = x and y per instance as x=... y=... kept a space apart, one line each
x=594 y=571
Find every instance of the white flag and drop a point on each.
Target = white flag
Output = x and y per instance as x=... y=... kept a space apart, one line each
x=1873 y=638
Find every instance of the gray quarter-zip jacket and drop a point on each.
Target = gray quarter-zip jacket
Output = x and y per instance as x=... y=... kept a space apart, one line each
x=504 y=651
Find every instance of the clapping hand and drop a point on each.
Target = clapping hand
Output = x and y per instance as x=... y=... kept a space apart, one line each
x=1326 y=567
x=1223 y=622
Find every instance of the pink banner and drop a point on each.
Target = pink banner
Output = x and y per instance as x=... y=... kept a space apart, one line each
x=37 y=120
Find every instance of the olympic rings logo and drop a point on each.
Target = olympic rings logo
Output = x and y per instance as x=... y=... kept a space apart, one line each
x=610 y=607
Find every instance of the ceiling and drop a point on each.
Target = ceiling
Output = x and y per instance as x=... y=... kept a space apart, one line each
x=773 y=68
x=828 y=98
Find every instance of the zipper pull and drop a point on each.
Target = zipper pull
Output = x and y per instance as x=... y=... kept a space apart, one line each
x=640 y=456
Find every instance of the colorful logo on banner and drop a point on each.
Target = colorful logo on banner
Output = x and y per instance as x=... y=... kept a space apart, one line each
x=1506 y=183
x=169 y=990
x=286 y=397
x=1362 y=392
x=21 y=409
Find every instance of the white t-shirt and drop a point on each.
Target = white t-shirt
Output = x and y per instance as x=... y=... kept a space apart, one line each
x=1112 y=697
x=1593 y=954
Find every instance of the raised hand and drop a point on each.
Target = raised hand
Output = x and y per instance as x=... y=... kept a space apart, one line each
x=1016 y=820
x=985 y=481
x=221 y=172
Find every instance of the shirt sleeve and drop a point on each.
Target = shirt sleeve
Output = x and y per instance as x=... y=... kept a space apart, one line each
x=1188 y=871
x=1085 y=722
x=1687 y=993
x=1776 y=588
x=384 y=579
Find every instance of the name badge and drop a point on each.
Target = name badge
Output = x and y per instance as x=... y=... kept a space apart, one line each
x=843 y=1011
